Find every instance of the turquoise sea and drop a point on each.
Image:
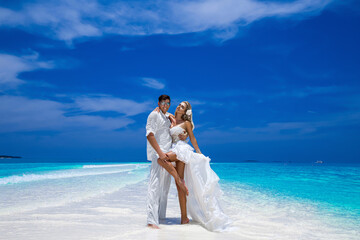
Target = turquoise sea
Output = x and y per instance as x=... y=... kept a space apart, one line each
x=306 y=201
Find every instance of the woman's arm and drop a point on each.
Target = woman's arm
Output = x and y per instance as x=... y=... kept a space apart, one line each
x=172 y=119
x=188 y=128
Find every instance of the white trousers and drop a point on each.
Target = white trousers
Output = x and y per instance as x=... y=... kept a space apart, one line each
x=158 y=189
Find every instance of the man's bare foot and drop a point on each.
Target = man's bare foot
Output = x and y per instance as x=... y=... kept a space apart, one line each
x=185 y=221
x=153 y=226
x=183 y=187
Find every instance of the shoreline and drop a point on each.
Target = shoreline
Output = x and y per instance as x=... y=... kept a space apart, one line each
x=122 y=215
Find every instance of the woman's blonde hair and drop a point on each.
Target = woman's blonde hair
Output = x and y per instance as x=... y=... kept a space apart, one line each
x=188 y=117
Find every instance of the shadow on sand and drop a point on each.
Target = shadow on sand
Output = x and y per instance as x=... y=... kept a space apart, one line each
x=170 y=221
x=176 y=221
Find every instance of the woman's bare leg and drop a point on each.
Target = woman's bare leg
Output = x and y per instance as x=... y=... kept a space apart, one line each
x=180 y=167
x=171 y=169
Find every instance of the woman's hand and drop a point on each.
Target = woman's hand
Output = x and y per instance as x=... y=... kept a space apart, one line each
x=157 y=109
x=183 y=136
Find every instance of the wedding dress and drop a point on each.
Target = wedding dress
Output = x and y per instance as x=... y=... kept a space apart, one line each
x=202 y=203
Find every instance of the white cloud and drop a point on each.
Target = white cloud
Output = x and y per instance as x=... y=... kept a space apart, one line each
x=153 y=83
x=67 y=20
x=275 y=93
x=64 y=20
x=282 y=130
x=98 y=122
x=109 y=103
x=309 y=91
x=25 y=114
x=194 y=102
x=11 y=66
x=125 y=49
x=203 y=15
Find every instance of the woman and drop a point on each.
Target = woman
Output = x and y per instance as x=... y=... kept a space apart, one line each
x=201 y=180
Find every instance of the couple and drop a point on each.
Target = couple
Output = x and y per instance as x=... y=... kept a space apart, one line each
x=171 y=155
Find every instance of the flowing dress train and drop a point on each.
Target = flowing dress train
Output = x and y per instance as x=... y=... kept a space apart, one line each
x=202 y=203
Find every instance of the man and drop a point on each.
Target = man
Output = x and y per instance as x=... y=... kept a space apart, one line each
x=159 y=142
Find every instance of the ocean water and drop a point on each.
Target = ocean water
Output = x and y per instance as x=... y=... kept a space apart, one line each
x=107 y=201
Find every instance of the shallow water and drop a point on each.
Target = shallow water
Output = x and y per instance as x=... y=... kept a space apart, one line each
x=107 y=201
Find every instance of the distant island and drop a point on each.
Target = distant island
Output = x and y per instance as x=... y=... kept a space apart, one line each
x=251 y=161
x=5 y=156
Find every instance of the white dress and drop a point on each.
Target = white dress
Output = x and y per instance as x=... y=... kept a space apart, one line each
x=202 y=203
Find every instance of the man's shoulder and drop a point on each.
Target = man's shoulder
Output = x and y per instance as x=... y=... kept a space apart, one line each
x=153 y=115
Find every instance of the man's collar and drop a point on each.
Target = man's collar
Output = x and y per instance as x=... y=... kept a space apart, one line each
x=166 y=114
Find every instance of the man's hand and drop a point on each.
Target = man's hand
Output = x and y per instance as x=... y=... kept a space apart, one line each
x=183 y=136
x=163 y=157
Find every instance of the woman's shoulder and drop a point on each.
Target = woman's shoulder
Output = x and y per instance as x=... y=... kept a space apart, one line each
x=187 y=124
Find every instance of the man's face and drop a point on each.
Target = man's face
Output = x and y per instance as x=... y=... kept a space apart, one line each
x=164 y=105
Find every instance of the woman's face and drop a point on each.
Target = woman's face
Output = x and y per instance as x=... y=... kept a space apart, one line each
x=181 y=108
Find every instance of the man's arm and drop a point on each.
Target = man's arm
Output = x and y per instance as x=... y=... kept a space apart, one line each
x=151 y=138
x=151 y=128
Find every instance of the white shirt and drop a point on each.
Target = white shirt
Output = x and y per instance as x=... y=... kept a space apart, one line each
x=158 y=123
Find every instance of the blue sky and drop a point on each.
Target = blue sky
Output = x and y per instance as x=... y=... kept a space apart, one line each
x=268 y=80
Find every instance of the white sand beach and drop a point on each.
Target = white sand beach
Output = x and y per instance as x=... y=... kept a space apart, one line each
x=121 y=215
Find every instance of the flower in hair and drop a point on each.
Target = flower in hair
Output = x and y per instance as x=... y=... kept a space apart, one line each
x=188 y=112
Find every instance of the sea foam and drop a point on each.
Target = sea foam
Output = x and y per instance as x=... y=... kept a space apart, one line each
x=70 y=173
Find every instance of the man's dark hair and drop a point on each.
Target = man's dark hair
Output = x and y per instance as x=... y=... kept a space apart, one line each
x=163 y=98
